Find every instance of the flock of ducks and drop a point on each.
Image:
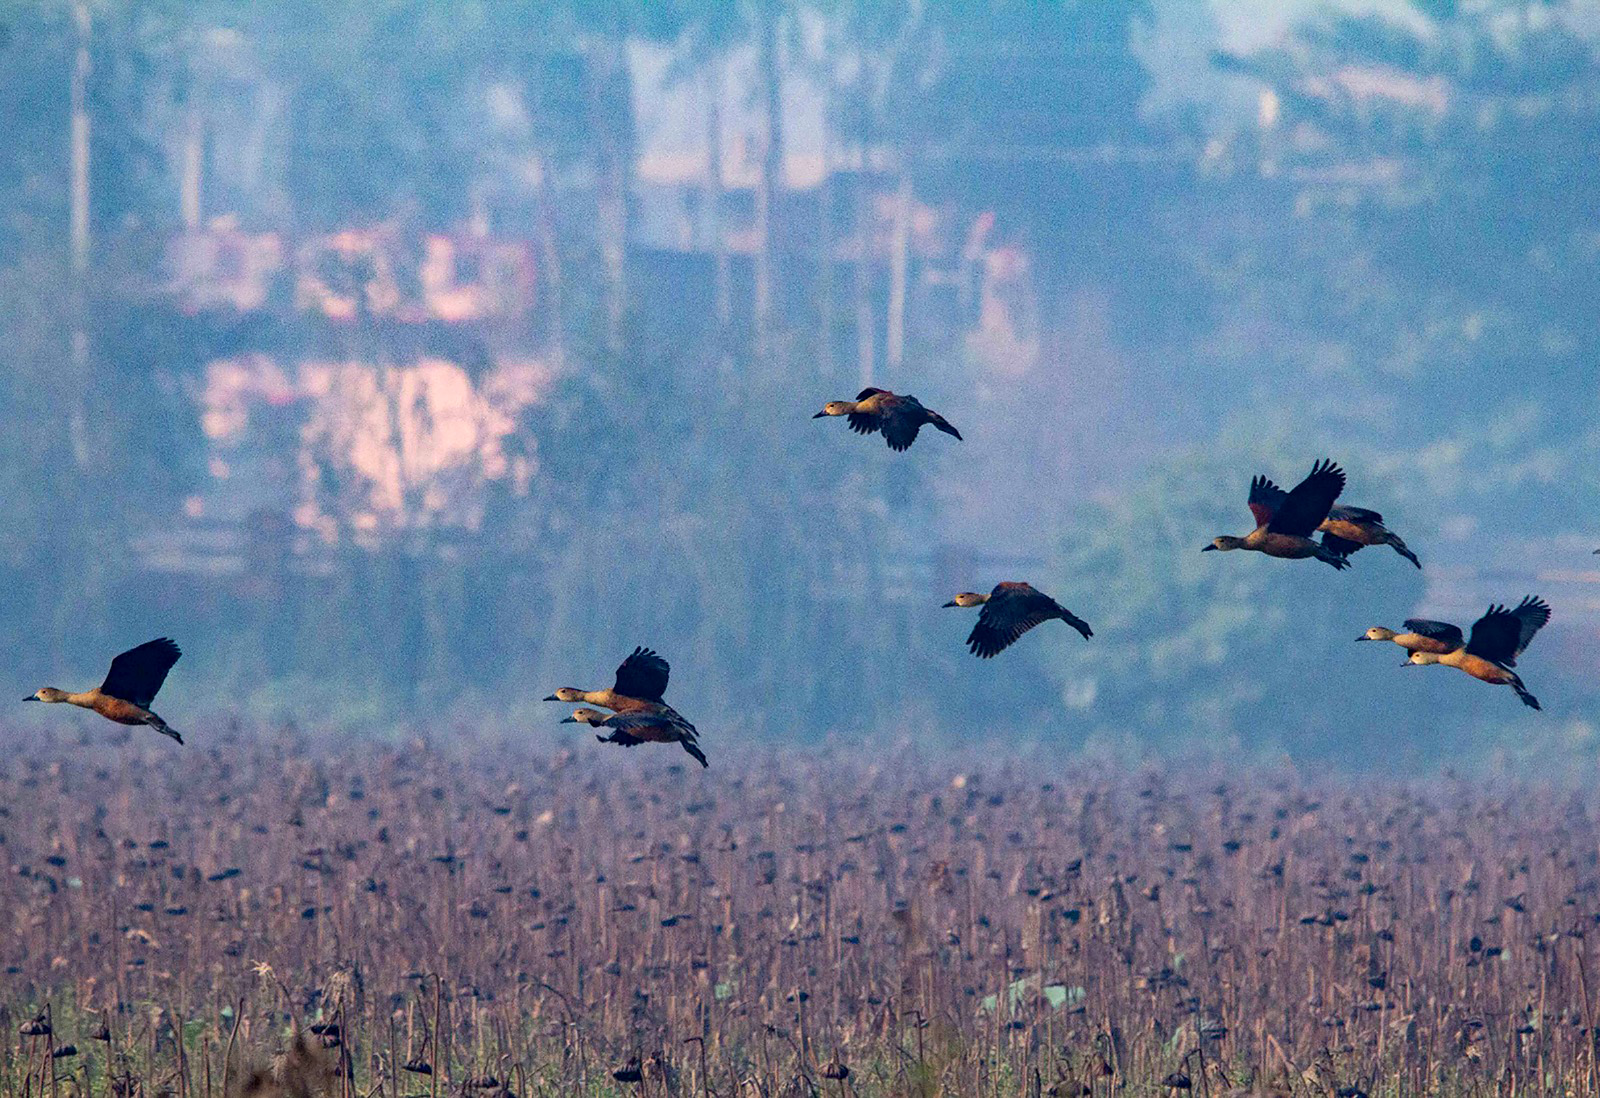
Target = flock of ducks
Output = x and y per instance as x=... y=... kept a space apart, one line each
x=1286 y=525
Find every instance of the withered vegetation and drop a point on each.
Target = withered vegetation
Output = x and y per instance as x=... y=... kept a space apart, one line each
x=268 y=915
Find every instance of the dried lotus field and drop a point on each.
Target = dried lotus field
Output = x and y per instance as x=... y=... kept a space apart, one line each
x=268 y=914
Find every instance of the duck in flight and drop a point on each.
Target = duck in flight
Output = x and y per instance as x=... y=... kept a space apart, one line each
x=641 y=681
x=1009 y=611
x=641 y=715
x=1285 y=521
x=632 y=729
x=898 y=417
x=130 y=687
x=1498 y=638
x=1421 y=635
x=1346 y=529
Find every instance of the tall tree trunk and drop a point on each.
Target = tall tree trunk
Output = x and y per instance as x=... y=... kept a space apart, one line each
x=611 y=115
x=78 y=424
x=771 y=174
x=866 y=336
x=193 y=166
x=895 y=338
x=825 y=303
x=550 y=254
x=722 y=292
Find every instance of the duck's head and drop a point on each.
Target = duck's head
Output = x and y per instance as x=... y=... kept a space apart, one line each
x=584 y=716
x=566 y=694
x=1377 y=633
x=968 y=598
x=1421 y=659
x=47 y=694
x=1223 y=544
x=836 y=408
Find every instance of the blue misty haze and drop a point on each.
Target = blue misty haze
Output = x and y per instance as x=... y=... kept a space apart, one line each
x=426 y=364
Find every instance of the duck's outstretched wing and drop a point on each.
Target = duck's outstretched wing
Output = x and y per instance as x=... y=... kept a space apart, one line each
x=862 y=423
x=1265 y=499
x=642 y=675
x=1338 y=546
x=1308 y=504
x=1441 y=631
x=1341 y=512
x=137 y=674
x=669 y=727
x=1011 y=611
x=1502 y=633
x=900 y=424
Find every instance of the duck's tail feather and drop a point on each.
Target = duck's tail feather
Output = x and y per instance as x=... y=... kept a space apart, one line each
x=162 y=727
x=1522 y=692
x=694 y=749
x=1400 y=547
x=1077 y=623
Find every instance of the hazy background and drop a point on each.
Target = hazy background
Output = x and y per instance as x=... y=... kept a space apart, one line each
x=407 y=359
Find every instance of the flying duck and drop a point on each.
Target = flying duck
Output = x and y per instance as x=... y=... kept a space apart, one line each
x=130 y=687
x=1286 y=521
x=641 y=681
x=632 y=729
x=898 y=417
x=1346 y=529
x=1009 y=611
x=1498 y=638
x=1421 y=635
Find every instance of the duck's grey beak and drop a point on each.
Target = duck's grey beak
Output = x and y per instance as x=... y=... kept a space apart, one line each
x=31 y=698
x=1363 y=637
x=823 y=415
x=1408 y=663
x=1207 y=548
x=552 y=698
x=951 y=603
x=569 y=720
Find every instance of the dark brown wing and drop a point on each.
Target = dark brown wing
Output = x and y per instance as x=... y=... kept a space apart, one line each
x=1441 y=631
x=1308 y=504
x=1338 y=546
x=136 y=675
x=642 y=675
x=900 y=424
x=862 y=423
x=668 y=727
x=1534 y=613
x=1265 y=499
x=1011 y=611
x=1502 y=633
x=865 y=423
x=1358 y=515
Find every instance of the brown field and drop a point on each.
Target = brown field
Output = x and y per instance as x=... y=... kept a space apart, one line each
x=539 y=923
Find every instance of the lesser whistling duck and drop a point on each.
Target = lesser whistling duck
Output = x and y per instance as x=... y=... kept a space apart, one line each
x=632 y=729
x=641 y=681
x=1346 y=529
x=1009 y=611
x=130 y=687
x=1421 y=635
x=1285 y=521
x=898 y=417
x=1498 y=638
